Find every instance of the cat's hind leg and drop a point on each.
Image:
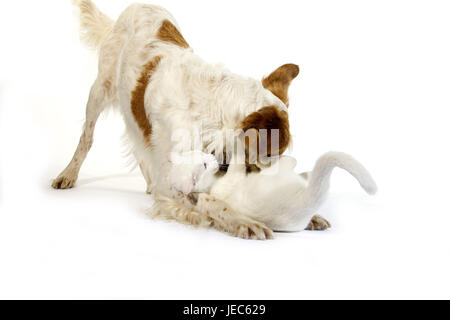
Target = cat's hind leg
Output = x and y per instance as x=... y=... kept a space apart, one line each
x=318 y=223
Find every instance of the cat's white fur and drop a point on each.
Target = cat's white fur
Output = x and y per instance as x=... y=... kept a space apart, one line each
x=282 y=199
x=187 y=176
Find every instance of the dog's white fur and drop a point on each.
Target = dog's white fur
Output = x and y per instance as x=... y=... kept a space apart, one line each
x=184 y=94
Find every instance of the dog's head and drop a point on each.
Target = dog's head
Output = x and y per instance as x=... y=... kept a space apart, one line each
x=267 y=131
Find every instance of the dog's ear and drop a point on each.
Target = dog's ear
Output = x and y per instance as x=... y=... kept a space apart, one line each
x=278 y=82
x=261 y=125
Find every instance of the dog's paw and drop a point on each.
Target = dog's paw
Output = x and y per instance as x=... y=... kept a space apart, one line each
x=253 y=231
x=64 y=182
x=318 y=223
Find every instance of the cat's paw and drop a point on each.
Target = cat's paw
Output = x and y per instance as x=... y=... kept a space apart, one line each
x=318 y=223
x=193 y=172
x=253 y=231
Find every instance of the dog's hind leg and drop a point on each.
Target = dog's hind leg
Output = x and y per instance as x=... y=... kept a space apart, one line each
x=96 y=104
x=146 y=174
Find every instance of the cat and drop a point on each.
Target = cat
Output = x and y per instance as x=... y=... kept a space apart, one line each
x=280 y=198
x=276 y=197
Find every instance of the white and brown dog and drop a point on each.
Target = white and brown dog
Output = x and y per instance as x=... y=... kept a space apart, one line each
x=165 y=93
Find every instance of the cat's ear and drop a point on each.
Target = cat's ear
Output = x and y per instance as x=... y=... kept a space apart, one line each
x=278 y=82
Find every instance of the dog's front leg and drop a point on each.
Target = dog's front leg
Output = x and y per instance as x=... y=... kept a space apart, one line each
x=226 y=219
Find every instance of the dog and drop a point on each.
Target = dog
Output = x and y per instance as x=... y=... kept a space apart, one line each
x=165 y=93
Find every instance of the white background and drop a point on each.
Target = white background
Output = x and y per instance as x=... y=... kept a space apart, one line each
x=375 y=82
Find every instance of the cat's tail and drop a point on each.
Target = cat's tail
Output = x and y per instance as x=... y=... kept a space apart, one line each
x=319 y=178
x=94 y=23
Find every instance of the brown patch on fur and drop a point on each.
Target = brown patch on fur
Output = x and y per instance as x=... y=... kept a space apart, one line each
x=269 y=118
x=137 y=99
x=278 y=82
x=169 y=33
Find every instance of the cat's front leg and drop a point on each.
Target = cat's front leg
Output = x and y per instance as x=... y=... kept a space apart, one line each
x=192 y=171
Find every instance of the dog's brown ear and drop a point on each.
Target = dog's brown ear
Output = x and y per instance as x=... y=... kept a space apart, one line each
x=278 y=82
x=268 y=119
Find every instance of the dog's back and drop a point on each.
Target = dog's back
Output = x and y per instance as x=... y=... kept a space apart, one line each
x=141 y=32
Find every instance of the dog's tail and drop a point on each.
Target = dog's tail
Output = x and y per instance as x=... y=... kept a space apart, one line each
x=319 y=179
x=94 y=24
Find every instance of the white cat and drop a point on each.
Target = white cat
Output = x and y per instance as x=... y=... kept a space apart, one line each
x=273 y=199
x=282 y=199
